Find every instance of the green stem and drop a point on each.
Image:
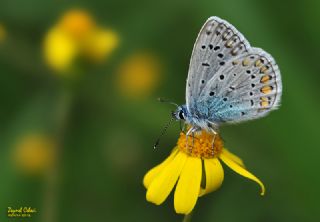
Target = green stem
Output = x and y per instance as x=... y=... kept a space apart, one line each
x=187 y=217
x=51 y=192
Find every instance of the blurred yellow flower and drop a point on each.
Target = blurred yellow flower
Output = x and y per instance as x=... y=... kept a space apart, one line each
x=139 y=75
x=78 y=23
x=77 y=36
x=34 y=154
x=194 y=166
x=60 y=49
x=100 y=44
x=3 y=33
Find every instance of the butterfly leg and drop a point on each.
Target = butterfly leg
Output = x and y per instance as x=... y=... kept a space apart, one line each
x=188 y=133
x=191 y=131
x=215 y=133
x=192 y=138
x=182 y=126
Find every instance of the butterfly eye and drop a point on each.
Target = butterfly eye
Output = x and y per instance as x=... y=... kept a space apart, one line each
x=181 y=114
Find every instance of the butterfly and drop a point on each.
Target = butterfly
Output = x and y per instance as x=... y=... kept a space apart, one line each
x=228 y=80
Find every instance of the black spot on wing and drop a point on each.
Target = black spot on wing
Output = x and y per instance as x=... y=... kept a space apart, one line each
x=216 y=48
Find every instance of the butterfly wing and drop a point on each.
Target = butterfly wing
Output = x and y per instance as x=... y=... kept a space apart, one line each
x=217 y=42
x=247 y=87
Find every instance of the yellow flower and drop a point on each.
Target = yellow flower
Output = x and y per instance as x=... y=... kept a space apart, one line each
x=194 y=166
x=60 y=49
x=139 y=75
x=34 y=154
x=77 y=36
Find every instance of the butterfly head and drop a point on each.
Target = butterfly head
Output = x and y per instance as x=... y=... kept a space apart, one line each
x=180 y=113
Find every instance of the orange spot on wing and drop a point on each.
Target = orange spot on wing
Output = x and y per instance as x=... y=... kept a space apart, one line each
x=264 y=103
x=245 y=62
x=258 y=63
x=265 y=79
x=263 y=69
x=266 y=89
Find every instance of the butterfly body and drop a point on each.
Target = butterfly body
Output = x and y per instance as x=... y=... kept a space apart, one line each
x=198 y=122
x=228 y=80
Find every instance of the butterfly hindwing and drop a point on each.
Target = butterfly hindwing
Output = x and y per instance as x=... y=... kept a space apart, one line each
x=217 y=43
x=247 y=87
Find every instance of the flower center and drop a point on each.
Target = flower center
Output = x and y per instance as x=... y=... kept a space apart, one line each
x=201 y=144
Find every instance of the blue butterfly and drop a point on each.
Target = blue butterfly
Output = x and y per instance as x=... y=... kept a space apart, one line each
x=228 y=80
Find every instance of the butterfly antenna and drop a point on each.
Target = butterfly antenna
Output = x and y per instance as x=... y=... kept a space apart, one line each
x=163 y=132
x=162 y=100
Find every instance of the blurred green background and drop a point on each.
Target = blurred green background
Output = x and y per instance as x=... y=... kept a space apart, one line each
x=94 y=125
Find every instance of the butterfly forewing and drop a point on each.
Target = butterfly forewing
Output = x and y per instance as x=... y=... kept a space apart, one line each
x=217 y=43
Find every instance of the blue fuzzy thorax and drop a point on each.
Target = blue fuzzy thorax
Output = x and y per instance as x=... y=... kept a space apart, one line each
x=205 y=113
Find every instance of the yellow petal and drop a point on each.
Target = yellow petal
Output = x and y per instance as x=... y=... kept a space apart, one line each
x=240 y=170
x=187 y=190
x=77 y=22
x=214 y=175
x=162 y=185
x=155 y=171
x=59 y=49
x=233 y=157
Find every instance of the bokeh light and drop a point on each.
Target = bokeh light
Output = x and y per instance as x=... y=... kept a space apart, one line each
x=3 y=33
x=139 y=75
x=34 y=154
